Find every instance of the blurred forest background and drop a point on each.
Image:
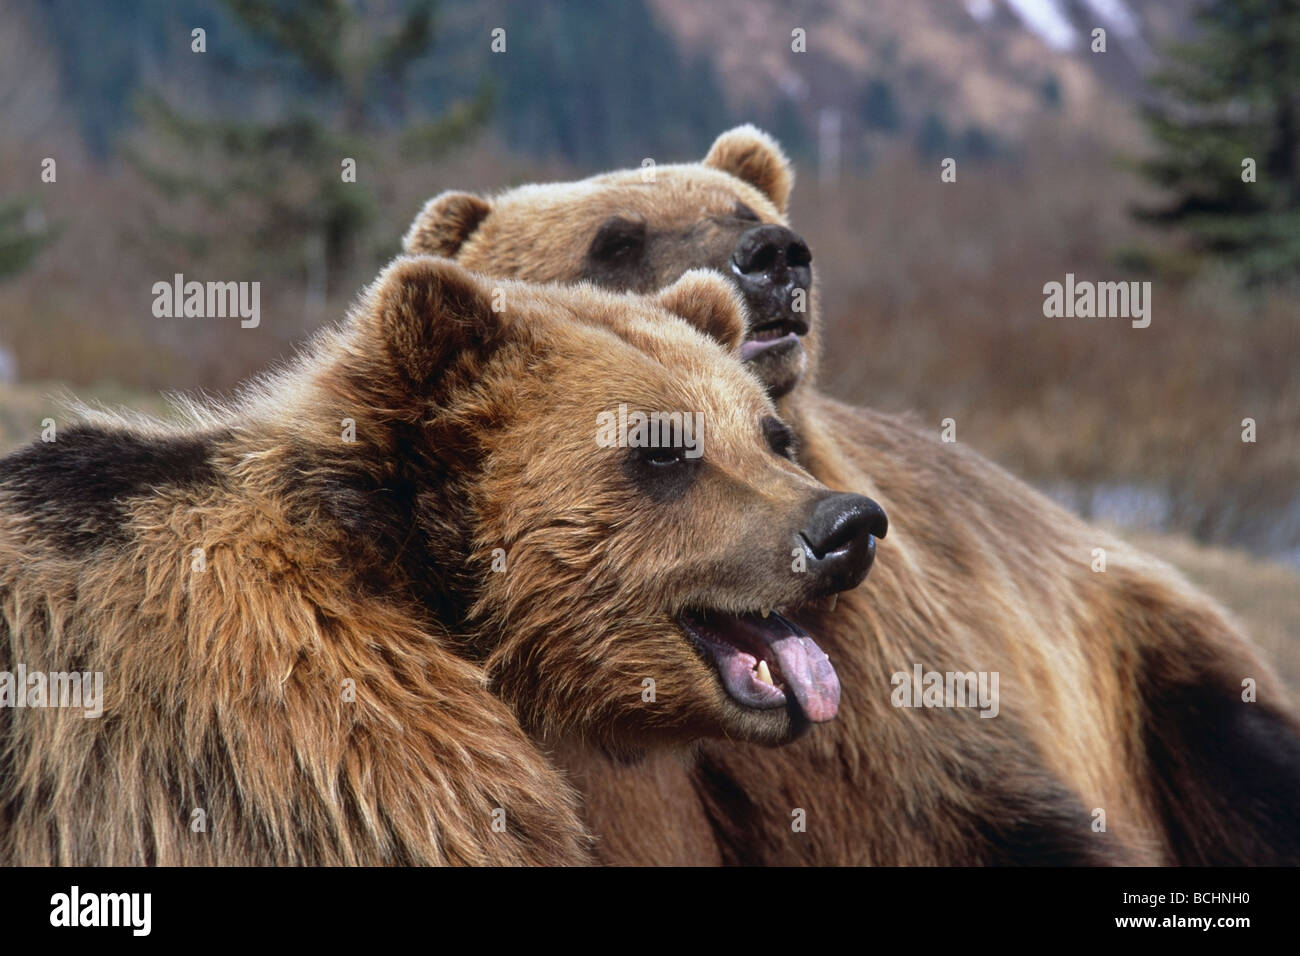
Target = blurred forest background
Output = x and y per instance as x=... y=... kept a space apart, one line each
x=1117 y=165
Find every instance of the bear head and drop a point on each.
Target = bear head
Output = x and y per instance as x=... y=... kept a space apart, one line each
x=639 y=230
x=600 y=501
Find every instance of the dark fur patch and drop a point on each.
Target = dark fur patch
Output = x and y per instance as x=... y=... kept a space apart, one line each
x=384 y=520
x=1014 y=818
x=733 y=815
x=616 y=257
x=76 y=489
x=629 y=256
x=661 y=474
x=1227 y=776
x=1043 y=824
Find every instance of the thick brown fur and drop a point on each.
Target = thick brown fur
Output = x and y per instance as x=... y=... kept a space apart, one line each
x=1121 y=690
x=324 y=561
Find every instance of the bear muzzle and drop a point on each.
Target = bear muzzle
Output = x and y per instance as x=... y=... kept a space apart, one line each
x=765 y=660
x=772 y=267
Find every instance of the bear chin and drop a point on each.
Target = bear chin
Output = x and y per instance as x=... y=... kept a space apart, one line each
x=767 y=728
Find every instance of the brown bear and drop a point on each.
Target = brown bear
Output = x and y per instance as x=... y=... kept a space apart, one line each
x=293 y=601
x=1135 y=723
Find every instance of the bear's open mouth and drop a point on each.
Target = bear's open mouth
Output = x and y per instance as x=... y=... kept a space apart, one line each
x=763 y=659
x=773 y=336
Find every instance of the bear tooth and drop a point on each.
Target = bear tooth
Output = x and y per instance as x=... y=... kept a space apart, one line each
x=764 y=674
x=765 y=611
x=834 y=597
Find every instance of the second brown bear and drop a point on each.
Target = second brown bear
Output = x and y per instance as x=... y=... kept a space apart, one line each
x=1123 y=733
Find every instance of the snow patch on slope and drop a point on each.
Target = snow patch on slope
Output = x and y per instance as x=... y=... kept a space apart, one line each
x=1048 y=21
x=1116 y=15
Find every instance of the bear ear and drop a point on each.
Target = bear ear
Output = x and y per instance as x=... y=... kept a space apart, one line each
x=710 y=303
x=749 y=154
x=444 y=224
x=429 y=311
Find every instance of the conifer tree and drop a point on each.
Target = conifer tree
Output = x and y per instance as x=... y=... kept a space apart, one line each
x=338 y=81
x=1229 y=113
x=20 y=238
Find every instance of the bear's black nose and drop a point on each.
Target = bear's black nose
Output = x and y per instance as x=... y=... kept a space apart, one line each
x=772 y=252
x=770 y=263
x=839 y=540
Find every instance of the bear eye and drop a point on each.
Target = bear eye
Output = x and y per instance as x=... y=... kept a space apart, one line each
x=663 y=457
x=617 y=240
x=779 y=437
x=744 y=212
x=664 y=474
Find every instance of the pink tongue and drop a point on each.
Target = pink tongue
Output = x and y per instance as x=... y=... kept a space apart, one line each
x=808 y=674
x=755 y=347
x=738 y=642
